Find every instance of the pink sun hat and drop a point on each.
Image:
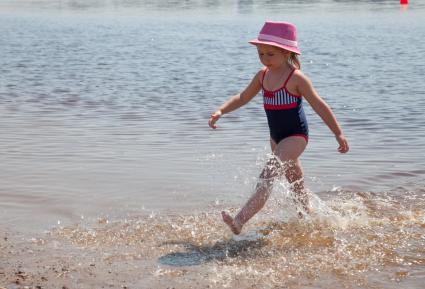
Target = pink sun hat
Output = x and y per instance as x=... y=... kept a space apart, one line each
x=278 y=34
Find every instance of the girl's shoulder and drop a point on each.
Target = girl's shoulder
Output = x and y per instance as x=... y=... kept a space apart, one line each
x=299 y=77
x=262 y=71
x=260 y=74
x=298 y=74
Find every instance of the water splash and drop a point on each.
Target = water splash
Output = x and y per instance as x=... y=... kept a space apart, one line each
x=353 y=239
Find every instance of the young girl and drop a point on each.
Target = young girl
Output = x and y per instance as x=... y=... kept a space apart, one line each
x=283 y=85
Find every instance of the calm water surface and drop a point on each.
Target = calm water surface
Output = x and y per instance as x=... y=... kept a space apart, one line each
x=104 y=108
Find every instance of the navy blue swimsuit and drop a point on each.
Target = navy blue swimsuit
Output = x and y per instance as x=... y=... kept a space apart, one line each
x=285 y=113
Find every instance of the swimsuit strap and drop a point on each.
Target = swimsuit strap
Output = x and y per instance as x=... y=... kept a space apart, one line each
x=286 y=81
x=264 y=75
x=289 y=76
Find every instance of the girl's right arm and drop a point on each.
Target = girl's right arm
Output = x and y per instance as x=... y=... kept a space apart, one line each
x=237 y=100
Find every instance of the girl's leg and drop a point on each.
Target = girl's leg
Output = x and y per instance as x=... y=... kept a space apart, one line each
x=288 y=150
x=293 y=169
x=294 y=175
x=270 y=172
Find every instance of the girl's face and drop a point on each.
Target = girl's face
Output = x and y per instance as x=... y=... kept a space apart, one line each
x=271 y=56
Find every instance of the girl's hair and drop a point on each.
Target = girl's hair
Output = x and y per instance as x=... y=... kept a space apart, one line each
x=293 y=60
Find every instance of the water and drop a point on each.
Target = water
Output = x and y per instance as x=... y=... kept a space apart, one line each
x=105 y=144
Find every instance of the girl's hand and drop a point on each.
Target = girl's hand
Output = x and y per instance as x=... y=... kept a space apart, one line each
x=213 y=119
x=343 y=143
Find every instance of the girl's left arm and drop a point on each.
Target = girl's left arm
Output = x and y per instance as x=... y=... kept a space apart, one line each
x=307 y=90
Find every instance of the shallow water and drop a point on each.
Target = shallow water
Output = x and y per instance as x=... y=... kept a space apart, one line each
x=104 y=109
x=361 y=240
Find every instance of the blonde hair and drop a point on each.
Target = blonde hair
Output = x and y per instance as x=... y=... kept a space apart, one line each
x=294 y=61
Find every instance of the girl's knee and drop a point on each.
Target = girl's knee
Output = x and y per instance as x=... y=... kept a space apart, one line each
x=272 y=169
x=293 y=171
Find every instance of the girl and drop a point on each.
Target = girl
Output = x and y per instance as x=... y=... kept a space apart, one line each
x=283 y=85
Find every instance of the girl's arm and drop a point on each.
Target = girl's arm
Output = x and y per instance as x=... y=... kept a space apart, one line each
x=238 y=100
x=307 y=90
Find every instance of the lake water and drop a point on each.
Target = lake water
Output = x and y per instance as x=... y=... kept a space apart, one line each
x=104 y=142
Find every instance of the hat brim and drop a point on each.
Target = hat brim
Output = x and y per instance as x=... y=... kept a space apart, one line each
x=286 y=47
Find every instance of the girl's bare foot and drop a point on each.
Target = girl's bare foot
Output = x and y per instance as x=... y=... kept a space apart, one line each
x=233 y=225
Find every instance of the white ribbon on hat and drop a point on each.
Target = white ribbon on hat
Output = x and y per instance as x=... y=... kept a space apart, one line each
x=279 y=40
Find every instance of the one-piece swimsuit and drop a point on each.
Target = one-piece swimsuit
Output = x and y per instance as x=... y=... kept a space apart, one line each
x=285 y=113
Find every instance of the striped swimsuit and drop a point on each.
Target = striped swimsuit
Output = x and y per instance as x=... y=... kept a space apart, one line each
x=285 y=113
